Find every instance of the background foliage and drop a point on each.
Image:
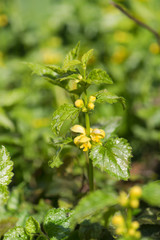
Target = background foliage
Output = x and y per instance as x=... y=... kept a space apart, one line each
x=43 y=32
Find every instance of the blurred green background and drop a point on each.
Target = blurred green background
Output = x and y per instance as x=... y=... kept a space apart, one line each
x=43 y=31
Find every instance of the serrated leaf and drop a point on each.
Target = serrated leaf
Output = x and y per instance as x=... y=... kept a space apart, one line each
x=32 y=226
x=57 y=69
x=6 y=166
x=86 y=56
x=105 y=96
x=113 y=157
x=72 y=55
x=91 y=204
x=17 y=233
x=71 y=64
x=98 y=76
x=57 y=223
x=56 y=161
x=152 y=190
x=63 y=117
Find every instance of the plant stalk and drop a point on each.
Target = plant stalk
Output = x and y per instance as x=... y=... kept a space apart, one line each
x=89 y=161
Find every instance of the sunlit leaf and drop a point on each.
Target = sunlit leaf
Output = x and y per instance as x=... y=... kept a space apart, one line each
x=113 y=157
x=16 y=233
x=32 y=226
x=6 y=167
x=57 y=223
x=63 y=117
x=72 y=55
x=98 y=76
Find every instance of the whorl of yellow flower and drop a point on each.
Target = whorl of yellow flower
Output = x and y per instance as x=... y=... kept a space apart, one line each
x=83 y=141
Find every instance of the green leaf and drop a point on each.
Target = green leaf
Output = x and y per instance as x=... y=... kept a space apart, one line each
x=71 y=64
x=32 y=226
x=56 y=161
x=63 y=117
x=98 y=76
x=17 y=233
x=151 y=193
x=6 y=166
x=57 y=69
x=113 y=157
x=57 y=223
x=91 y=204
x=105 y=96
x=86 y=57
x=72 y=55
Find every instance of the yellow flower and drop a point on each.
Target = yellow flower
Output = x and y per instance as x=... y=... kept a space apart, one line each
x=97 y=134
x=83 y=141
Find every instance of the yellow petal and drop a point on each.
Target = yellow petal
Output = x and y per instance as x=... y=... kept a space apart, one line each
x=100 y=132
x=84 y=139
x=78 y=129
x=76 y=139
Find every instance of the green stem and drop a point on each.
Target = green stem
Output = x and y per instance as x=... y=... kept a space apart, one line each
x=89 y=161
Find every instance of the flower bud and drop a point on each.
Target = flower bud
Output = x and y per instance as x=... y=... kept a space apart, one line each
x=135 y=192
x=137 y=235
x=134 y=203
x=92 y=99
x=135 y=225
x=131 y=232
x=120 y=230
x=117 y=220
x=79 y=103
x=90 y=106
x=123 y=199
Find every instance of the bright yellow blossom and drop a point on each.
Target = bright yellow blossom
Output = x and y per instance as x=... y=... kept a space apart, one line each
x=83 y=141
x=97 y=134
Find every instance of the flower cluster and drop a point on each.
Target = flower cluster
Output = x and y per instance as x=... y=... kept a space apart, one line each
x=133 y=199
x=83 y=141
x=79 y=103
x=122 y=229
